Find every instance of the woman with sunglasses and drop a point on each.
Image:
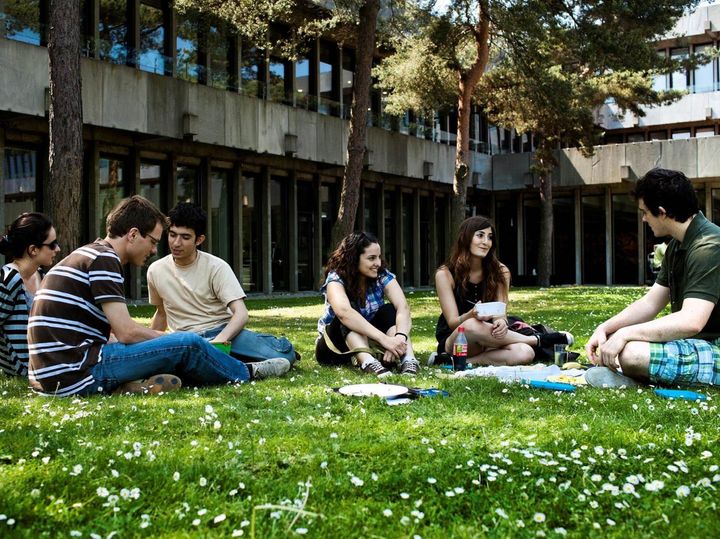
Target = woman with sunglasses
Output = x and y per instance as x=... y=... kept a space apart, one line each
x=29 y=243
x=473 y=274
x=356 y=283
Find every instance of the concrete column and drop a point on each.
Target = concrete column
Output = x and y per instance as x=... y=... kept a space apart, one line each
x=236 y=247
x=265 y=231
x=608 y=238
x=416 y=238
x=578 y=237
x=293 y=232
x=520 y=234
x=317 y=232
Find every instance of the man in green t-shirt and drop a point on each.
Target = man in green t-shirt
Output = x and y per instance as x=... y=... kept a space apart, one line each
x=682 y=347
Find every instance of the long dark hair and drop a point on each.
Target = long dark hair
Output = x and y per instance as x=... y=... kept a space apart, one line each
x=28 y=229
x=345 y=260
x=459 y=262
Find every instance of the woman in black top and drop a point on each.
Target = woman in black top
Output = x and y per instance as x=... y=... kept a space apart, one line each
x=473 y=274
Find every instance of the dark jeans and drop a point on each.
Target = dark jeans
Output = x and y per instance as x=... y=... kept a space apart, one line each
x=383 y=320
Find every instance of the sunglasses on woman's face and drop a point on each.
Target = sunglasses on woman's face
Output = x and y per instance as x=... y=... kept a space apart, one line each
x=52 y=245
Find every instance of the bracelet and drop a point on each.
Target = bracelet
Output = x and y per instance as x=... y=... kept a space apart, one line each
x=403 y=334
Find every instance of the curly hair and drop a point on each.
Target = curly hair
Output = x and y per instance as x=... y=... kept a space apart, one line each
x=345 y=261
x=459 y=262
x=28 y=229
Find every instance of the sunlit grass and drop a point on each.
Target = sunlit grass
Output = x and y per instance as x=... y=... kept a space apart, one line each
x=490 y=460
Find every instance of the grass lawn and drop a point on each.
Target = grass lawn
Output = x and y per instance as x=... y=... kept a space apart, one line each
x=289 y=457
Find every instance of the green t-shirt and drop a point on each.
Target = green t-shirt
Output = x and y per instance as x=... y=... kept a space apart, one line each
x=691 y=269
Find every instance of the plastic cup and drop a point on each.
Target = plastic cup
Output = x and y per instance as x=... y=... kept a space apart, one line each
x=559 y=355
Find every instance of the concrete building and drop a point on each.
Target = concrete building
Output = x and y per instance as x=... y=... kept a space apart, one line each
x=175 y=109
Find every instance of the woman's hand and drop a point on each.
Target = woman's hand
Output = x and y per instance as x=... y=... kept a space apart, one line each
x=395 y=347
x=499 y=328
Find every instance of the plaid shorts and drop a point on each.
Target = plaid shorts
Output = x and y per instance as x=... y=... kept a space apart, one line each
x=685 y=362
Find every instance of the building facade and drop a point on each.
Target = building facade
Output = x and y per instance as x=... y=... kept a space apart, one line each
x=177 y=108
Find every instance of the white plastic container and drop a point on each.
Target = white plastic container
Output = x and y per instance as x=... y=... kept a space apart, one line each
x=492 y=308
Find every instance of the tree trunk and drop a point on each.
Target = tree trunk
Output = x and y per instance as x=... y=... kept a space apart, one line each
x=63 y=190
x=545 y=250
x=466 y=86
x=357 y=134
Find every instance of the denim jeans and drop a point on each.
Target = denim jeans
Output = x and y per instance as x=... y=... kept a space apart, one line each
x=186 y=355
x=250 y=346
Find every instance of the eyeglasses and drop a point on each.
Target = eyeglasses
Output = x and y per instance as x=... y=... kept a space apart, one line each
x=52 y=245
x=155 y=241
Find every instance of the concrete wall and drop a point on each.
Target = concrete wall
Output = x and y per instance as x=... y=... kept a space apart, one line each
x=124 y=98
x=689 y=108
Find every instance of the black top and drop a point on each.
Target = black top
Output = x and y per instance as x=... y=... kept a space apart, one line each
x=464 y=300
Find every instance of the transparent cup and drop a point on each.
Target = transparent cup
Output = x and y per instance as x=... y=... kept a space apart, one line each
x=559 y=355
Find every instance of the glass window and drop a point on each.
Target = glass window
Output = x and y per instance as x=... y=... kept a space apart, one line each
x=388 y=249
x=370 y=210
x=279 y=234
x=660 y=80
x=348 y=80
x=186 y=44
x=506 y=228
x=220 y=218
x=702 y=132
x=440 y=239
x=276 y=84
x=328 y=214
x=302 y=82
x=636 y=137
x=564 y=239
x=531 y=212
x=679 y=78
x=150 y=182
x=151 y=56
x=20 y=179
x=625 y=239
x=251 y=233
x=593 y=230
x=327 y=97
x=21 y=19
x=306 y=197
x=186 y=184
x=658 y=135
x=703 y=79
x=113 y=31
x=252 y=60
x=219 y=49
x=679 y=134
x=426 y=214
x=112 y=190
x=407 y=240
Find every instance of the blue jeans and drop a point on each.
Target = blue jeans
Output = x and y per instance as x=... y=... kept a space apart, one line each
x=186 y=355
x=251 y=346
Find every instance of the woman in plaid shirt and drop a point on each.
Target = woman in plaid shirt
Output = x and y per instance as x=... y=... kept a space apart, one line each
x=356 y=285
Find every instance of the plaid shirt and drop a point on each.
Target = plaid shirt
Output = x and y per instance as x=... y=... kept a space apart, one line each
x=374 y=298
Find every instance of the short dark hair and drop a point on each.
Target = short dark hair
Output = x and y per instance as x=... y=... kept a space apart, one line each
x=670 y=189
x=30 y=228
x=189 y=215
x=134 y=212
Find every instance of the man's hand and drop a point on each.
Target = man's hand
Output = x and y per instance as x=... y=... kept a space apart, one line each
x=593 y=345
x=611 y=349
x=499 y=328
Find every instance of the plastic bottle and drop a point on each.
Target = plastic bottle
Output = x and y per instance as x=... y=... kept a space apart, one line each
x=460 y=350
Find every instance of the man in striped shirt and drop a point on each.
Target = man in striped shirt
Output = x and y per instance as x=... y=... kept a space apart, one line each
x=82 y=301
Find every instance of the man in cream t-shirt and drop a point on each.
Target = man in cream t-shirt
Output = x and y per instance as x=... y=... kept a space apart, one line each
x=199 y=292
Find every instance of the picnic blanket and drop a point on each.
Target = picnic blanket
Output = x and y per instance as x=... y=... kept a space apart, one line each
x=541 y=372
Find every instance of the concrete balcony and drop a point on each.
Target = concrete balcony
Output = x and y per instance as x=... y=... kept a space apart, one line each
x=125 y=98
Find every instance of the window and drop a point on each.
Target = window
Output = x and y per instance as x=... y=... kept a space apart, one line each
x=186 y=45
x=593 y=234
x=112 y=190
x=151 y=56
x=679 y=79
x=388 y=249
x=328 y=214
x=348 y=80
x=302 y=82
x=220 y=220
x=679 y=134
x=660 y=81
x=186 y=184
x=20 y=179
x=327 y=60
x=703 y=78
x=250 y=72
x=21 y=19
x=276 y=83
x=702 y=132
x=250 y=233
x=636 y=137
x=625 y=239
x=564 y=239
x=306 y=197
x=113 y=31
x=150 y=182
x=658 y=135
x=218 y=48
x=279 y=233
x=370 y=210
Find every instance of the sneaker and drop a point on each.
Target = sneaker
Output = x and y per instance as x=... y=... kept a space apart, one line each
x=431 y=359
x=159 y=383
x=268 y=368
x=604 y=377
x=409 y=366
x=556 y=337
x=375 y=367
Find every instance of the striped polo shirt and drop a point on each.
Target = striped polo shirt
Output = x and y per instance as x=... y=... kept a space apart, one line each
x=67 y=325
x=13 y=322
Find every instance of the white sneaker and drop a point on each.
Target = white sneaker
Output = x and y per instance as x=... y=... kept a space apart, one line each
x=276 y=366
